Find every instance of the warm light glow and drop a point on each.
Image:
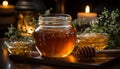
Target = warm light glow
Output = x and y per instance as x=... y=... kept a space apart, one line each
x=71 y=58
x=5 y=3
x=87 y=9
x=25 y=26
x=30 y=29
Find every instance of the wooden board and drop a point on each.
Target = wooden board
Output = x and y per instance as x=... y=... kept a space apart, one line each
x=102 y=59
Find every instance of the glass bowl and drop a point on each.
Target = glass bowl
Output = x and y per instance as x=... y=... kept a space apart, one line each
x=98 y=40
x=18 y=47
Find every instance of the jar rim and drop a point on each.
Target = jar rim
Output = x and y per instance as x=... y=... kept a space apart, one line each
x=55 y=14
x=55 y=18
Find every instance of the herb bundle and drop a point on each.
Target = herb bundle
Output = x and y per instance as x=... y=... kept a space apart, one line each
x=107 y=22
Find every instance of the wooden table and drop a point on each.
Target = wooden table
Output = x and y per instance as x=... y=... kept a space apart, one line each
x=109 y=59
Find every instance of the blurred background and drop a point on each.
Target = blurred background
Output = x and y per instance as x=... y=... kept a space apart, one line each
x=71 y=7
x=74 y=6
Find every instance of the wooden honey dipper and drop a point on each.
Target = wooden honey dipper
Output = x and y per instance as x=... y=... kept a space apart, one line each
x=85 y=52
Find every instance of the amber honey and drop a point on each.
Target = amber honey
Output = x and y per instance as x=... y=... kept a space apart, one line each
x=18 y=47
x=97 y=40
x=57 y=42
x=19 y=51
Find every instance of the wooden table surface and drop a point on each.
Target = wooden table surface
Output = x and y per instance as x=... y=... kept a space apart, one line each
x=110 y=59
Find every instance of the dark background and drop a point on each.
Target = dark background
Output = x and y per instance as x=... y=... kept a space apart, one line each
x=72 y=7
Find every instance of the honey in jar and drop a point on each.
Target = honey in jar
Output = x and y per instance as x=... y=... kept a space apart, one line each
x=55 y=37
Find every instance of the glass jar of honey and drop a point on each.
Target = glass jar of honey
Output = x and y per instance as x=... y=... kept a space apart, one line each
x=55 y=36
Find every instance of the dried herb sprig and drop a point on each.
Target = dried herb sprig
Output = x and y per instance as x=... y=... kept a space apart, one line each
x=107 y=22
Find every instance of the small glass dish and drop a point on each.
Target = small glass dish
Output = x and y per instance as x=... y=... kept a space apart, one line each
x=97 y=40
x=18 y=47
